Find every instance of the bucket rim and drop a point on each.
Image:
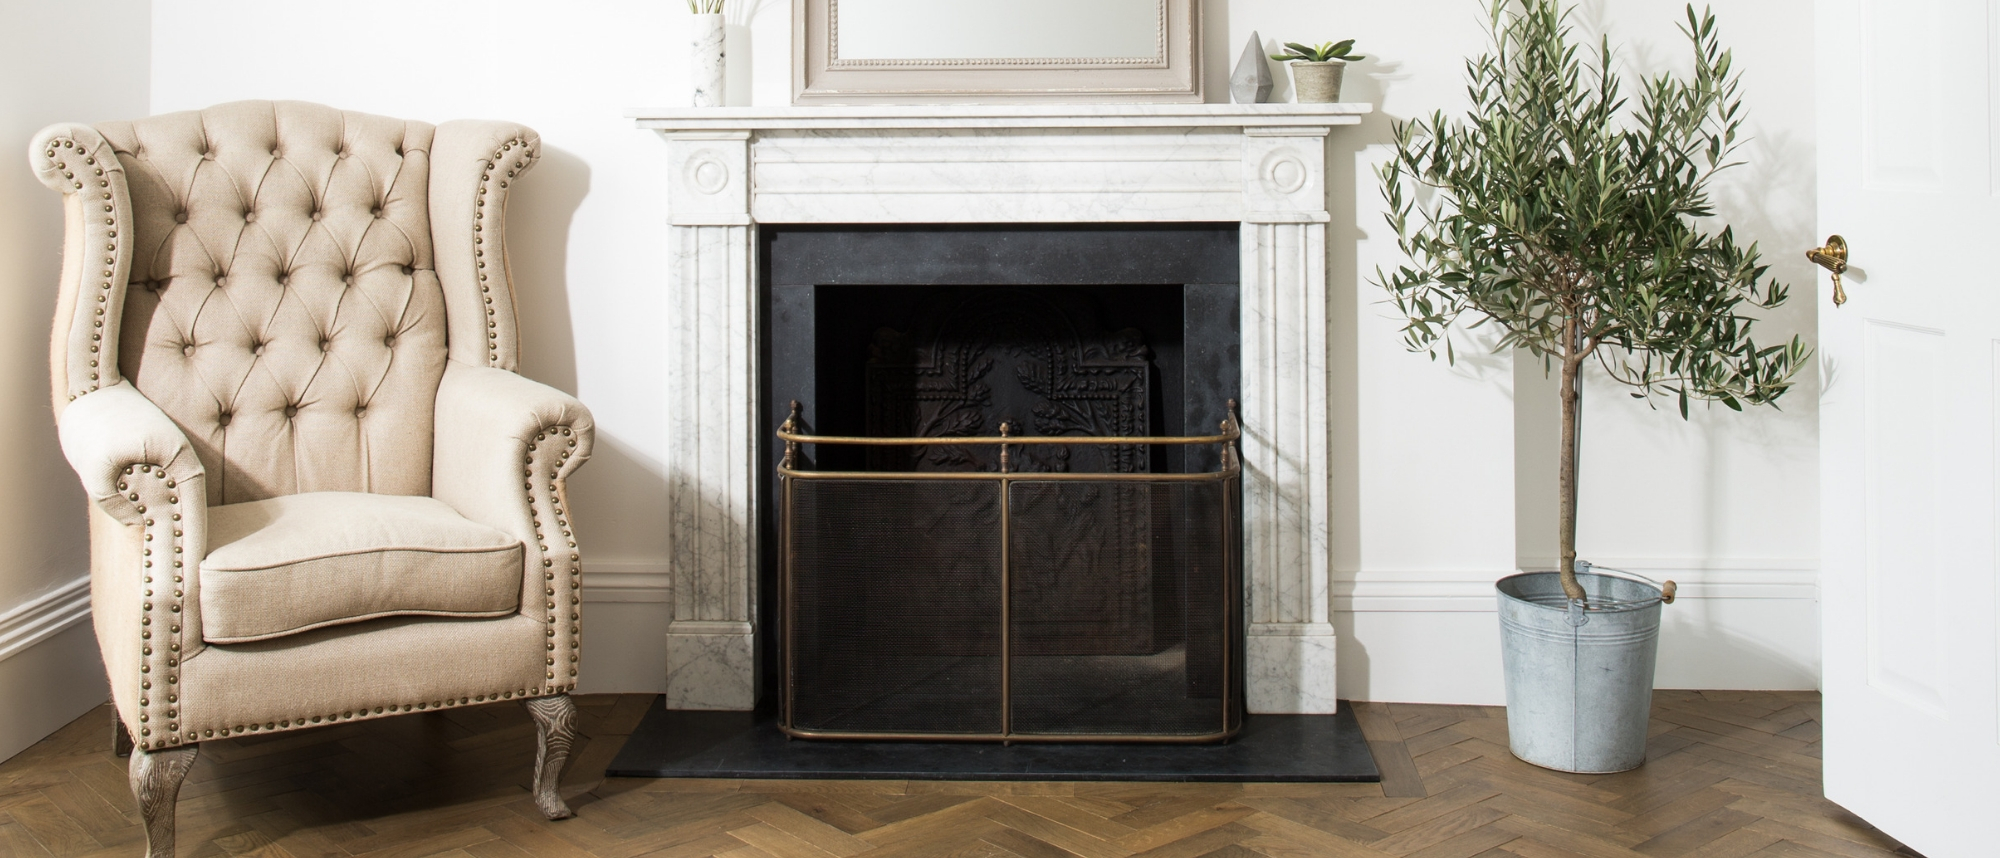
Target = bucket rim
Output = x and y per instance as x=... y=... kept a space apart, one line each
x=1586 y=569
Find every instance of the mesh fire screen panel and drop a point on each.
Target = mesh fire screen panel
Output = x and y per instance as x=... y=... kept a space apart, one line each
x=894 y=616
x=1114 y=601
x=1119 y=605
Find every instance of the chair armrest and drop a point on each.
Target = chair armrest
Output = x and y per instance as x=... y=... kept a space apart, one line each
x=505 y=448
x=113 y=435
x=140 y=470
x=97 y=252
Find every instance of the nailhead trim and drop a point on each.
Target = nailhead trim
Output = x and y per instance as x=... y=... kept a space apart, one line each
x=155 y=612
x=567 y=436
x=503 y=157
x=367 y=714
x=60 y=157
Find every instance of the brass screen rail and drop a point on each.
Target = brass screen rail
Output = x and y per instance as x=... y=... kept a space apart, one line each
x=1190 y=549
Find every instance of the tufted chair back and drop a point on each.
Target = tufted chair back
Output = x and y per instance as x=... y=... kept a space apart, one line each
x=283 y=306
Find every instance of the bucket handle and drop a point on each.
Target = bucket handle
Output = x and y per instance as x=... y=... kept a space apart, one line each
x=1667 y=587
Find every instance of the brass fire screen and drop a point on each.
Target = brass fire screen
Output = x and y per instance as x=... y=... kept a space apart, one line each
x=1008 y=605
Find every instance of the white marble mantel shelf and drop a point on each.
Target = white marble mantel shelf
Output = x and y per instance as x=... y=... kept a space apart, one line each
x=732 y=169
x=904 y=116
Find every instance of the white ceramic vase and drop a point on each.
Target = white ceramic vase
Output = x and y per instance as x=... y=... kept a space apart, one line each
x=710 y=66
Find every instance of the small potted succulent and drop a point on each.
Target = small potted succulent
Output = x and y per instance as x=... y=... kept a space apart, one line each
x=1317 y=69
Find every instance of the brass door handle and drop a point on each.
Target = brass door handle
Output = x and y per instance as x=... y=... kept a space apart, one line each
x=1832 y=256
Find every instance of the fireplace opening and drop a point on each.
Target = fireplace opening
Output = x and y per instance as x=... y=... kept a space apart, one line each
x=991 y=577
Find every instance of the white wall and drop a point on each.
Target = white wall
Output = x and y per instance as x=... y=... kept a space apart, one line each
x=49 y=669
x=1430 y=508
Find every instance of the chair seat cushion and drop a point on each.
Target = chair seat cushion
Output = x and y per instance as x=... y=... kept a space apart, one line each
x=287 y=564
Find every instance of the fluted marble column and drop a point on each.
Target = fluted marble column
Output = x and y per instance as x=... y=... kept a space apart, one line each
x=1290 y=651
x=711 y=389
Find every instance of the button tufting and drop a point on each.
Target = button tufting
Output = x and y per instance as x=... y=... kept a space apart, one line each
x=291 y=411
x=221 y=280
x=389 y=341
x=249 y=217
x=256 y=348
x=409 y=269
x=207 y=155
x=347 y=279
x=222 y=419
x=180 y=217
x=187 y=350
x=343 y=153
x=325 y=345
x=315 y=214
x=360 y=410
x=376 y=211
x=284 y=279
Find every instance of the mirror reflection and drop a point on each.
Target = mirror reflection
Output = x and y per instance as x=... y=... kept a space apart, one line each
x=989 y=30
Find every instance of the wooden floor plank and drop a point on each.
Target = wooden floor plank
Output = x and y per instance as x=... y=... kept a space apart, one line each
x=1729 y=775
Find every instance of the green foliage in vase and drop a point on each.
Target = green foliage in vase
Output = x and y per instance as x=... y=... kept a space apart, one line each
x=1322 y=52
x=1568 y=216
x=705 y=7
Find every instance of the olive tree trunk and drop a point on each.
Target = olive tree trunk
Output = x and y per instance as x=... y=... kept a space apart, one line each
x=1572 y=411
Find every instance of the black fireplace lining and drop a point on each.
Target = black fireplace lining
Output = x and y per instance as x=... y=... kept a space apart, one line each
x=1179 y=282
x=1000 y=254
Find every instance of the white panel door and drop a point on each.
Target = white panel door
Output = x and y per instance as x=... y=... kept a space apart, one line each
x=1907 y=426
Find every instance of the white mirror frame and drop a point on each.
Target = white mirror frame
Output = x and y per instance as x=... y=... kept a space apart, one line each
x=820 y=76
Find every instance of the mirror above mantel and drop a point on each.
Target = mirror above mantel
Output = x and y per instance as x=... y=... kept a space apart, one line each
x=925 y=51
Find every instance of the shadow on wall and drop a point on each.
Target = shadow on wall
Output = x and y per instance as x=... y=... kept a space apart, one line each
x=1351 y=188
x=1219 y=48
x=540 y=215
x=621 y=491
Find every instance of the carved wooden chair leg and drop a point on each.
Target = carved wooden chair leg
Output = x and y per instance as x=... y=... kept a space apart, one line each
x=555 y=731
x=156 y=781
x=121 y=738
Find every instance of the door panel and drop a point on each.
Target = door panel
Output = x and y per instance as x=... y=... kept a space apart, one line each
x=1905 y=644
x=1910 y=496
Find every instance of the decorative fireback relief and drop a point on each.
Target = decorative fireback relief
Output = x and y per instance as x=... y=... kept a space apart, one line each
x=947 y=600
x=1010 y=354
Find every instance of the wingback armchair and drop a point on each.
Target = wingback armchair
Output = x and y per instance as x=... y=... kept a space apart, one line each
x=283 y=367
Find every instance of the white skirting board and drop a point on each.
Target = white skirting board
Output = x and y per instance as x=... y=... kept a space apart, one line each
x=49 y=669
x=625 y=616
x=1434 y=637
x=1414 y=637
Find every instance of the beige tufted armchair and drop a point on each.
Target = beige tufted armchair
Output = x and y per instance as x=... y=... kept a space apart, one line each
x=283 y=367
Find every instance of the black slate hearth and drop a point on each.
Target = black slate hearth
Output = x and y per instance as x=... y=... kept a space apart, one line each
x=1271 y=748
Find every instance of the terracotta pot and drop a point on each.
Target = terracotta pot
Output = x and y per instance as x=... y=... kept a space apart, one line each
x=1317 y=83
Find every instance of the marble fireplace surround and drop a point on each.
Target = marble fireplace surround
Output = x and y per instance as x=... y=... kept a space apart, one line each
x=730 y=169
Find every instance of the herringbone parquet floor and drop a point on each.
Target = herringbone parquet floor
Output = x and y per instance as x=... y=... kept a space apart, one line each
x=1730 y=774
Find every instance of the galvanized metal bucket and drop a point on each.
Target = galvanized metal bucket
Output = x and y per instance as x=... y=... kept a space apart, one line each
x=1580 y=674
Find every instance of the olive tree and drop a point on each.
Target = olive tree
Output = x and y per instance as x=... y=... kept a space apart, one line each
x=1574 y=220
